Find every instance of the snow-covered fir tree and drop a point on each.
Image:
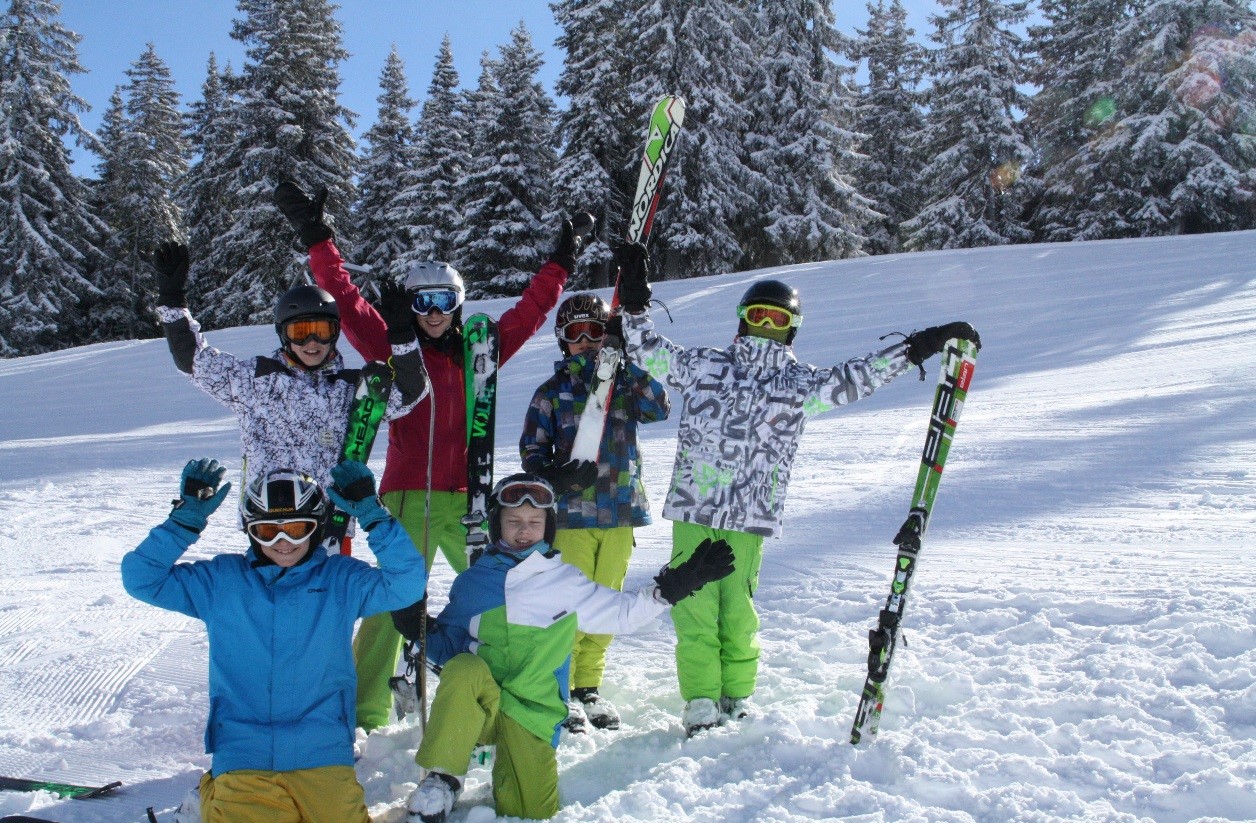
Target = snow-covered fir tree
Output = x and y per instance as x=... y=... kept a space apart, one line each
x=291 y=126
x=207 y=191
x=385 y=213
x=601 y=130
x=1178 y=155
x=144 y=154
x=890 y=117
x=801 y=140
x=443 y=155
x=701 y=50
x=507 y=185
x=975 y=192
x=48 y=233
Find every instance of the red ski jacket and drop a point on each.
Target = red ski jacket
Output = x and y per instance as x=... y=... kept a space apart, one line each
x=405 y=466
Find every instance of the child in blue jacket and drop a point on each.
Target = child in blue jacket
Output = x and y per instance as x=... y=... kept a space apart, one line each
x=280 y=622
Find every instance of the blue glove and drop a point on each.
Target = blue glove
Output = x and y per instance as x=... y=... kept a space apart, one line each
x=353 y=490
x=199 y=493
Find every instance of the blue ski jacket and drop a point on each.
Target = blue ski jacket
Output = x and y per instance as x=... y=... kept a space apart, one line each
x=282 y=688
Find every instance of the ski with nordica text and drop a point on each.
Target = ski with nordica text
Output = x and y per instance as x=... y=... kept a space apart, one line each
x=370 y=400
x=664 y=129
x=959 y=359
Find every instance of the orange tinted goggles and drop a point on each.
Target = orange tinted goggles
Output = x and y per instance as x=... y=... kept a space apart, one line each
x=773 y=317
x=269 y=532
x=322 y=329
x=592 y=330
x=519 y=492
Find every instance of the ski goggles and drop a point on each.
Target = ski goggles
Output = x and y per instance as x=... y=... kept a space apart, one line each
x=591 y=330
x=270 y=532
x=320 y=329
x=516 y=493
x=774 y=317
x=443 y=300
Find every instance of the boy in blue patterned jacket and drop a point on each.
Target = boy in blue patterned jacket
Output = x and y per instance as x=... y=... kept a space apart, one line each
x=598 y=504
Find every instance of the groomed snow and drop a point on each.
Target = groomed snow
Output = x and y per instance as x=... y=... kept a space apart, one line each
x=1080 y=638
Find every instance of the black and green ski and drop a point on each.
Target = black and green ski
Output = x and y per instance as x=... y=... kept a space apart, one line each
x=370 y=401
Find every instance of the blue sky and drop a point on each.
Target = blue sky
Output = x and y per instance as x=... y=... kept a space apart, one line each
x=184 y=32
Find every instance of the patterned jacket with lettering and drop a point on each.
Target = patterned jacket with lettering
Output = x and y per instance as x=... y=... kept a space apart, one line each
x=745 y=408
x=290 y=417
x=549 y=431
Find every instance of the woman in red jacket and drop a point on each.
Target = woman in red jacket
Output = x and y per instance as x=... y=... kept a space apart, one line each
x=425 y=471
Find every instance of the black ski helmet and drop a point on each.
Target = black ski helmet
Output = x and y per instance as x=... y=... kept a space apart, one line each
x=304 y=301
x=584 y=306
x=770 y=293
x=283 y=494
x=495 y=506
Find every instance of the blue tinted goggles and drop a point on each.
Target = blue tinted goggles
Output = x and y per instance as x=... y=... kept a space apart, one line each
x=443 y=300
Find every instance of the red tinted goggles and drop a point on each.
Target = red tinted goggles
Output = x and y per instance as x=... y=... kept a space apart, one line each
x=591 y=330
x=269 y=532
x=321 y=329
x=513 y=495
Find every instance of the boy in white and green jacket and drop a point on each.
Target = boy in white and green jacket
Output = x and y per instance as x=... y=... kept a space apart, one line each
x=504 y=642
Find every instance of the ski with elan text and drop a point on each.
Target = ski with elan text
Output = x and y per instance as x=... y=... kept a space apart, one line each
x=664 y=129
x=65 y=790
x=370 y=400
x=959 y=359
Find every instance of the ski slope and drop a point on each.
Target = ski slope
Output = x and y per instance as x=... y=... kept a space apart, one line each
x=1081 y=638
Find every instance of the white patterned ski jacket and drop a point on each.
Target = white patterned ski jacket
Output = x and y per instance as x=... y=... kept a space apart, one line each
x=744 y=411
x=290 y=418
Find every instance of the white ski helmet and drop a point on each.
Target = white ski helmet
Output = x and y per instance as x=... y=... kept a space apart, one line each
x=431 y=274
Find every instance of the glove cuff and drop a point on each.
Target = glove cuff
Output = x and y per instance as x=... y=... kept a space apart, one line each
x=567 y=261
x=313 y=233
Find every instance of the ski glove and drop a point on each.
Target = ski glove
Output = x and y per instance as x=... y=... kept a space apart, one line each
x=353 y=490
x=634 y=277
x=199 y=494
x=411 y=620
x=709 y=562
x=571 y=240
x=571 y=477
x=170 y=264
x=305 y=214
x=921 y=345
x=395 y=306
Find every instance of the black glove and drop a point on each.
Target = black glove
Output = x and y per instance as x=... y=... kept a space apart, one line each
x=305 y=214
x=634 y=277
x=921 y=345
x=201 y=492
x=571 y=240
x=170 y=263
x=572 y=476
x=711 y=561
x=411 y=620
x=615 y=331
x=396 y=307
x=353 y=491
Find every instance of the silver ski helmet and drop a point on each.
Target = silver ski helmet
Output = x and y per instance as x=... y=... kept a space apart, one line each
x=580 y=308
x=770 y=293
x=436 y=277
x=284 y=496
x=515 y=490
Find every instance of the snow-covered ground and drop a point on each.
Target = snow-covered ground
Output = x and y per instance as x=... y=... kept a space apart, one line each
x=1081 y=641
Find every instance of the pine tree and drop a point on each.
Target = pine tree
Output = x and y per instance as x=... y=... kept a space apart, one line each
x=48 y=233
x=601 y=130
x=975 y=194
x=387 y=207
x=890 y=116
x=144 y=154
x=207 y=191
x=291 y=128
x=802 y=141
x=508 y=195
x=701 y=50
x=443 y=158
x=1178 y=155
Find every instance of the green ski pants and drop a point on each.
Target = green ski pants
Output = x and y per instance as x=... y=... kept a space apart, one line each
x=717 y=651
x=465 y=711
x=377 y=646
x=602 y=554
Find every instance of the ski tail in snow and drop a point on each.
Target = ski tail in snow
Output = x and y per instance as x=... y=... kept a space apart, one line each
x=664 y=129
x=959 y=359
x=370 y=400
x=16 y=784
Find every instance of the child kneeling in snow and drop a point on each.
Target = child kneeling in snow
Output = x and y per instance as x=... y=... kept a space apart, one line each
x=280 y=623
x=505 y=644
